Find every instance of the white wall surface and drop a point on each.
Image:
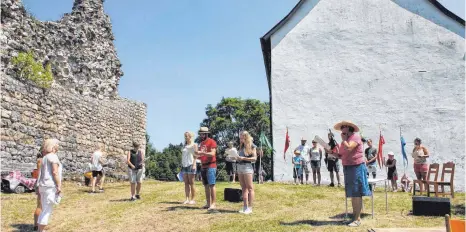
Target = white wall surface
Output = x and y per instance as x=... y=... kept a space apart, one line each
x=376 y=64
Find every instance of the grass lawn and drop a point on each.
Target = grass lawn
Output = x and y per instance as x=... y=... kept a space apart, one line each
x=278 y=207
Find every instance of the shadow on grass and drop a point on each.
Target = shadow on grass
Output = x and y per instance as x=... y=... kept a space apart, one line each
x=350 y=215
x=22 y=227
x=221 y=211
x=121 y=200
x=171 y=202
x=314 y=223
x=180 y=207
x=458 y=209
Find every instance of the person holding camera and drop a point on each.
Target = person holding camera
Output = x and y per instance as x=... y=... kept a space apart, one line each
x=135 y=159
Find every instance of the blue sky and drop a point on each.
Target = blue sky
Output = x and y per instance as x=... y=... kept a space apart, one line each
x=179 y=56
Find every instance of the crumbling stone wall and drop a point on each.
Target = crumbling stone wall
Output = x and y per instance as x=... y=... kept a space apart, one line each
x=79 y=46
x=82 y=108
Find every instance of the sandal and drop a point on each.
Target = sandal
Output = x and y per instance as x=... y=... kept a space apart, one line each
x=355 y=224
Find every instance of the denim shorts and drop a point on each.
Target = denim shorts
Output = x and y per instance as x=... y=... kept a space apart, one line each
x=188 y=170
x=245 y=168
x=209 y=176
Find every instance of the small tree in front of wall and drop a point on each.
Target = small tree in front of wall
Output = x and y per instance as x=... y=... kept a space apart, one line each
x=33 y=70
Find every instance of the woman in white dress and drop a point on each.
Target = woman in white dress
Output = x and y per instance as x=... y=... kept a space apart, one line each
x=188 y=163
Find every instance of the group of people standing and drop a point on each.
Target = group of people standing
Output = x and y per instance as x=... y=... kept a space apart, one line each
x=206 y=152
x=358 y=164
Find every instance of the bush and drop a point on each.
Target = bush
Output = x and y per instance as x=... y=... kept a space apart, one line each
x=33 y=70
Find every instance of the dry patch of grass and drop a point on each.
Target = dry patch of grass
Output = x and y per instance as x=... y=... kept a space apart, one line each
x=278 y=207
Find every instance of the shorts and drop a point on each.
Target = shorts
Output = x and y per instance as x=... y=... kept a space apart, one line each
x=245 y=168
x=298 y=171
x=372 y=168
x=209 y=176
x=392 y=175
x=135 y=175
x=97 y=173
x=231 y=168
x=333 y=165
x=421 y=168
x=315 y=164
x=306 y=169
x=188 y=170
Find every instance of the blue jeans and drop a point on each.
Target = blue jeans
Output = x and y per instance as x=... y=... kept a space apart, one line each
x=188 y=170
x=209 y=176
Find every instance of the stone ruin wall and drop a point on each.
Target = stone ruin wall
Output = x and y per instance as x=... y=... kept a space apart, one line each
x=82 y=108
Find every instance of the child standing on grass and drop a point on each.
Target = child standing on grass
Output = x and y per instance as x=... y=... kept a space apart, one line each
x=298 y=162
x=391 y=173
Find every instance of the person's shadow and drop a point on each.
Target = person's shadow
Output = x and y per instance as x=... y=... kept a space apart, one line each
x=338 y=220
x=22 y=227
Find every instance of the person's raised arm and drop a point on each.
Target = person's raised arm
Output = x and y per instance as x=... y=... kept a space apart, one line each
x=350 y=145
x=426 y=152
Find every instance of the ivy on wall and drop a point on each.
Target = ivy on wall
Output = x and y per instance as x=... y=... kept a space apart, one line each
x=33 y=70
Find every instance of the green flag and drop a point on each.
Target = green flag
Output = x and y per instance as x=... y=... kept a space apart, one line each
x=264 y=142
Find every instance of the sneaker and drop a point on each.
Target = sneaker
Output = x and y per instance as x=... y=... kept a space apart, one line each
x=36 y=228
x=192 y=202
x=355 y=224
x=205 y=207
x=248 y=211
x=395 y=191
x=132 y=199
x=339 y=185
x=185 y=202
x=331 y=185
x=241 y=210
x=101 y=190
x=138 y=197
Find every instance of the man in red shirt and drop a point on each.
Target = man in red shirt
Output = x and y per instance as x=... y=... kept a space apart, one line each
x=207 y=151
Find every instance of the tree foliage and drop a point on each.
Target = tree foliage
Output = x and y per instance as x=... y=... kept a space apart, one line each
x=225 y=121
x=231 y=116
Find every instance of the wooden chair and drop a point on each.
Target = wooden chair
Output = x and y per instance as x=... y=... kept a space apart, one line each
x=448 y=169
x=454 y=225
x=432 y=175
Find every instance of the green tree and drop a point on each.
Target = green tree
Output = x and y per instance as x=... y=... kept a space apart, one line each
x=233 y=115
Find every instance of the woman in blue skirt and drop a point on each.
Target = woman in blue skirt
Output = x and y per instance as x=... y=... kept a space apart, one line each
x=354 y=168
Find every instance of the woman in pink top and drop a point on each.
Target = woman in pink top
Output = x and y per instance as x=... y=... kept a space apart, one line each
x=354 y=167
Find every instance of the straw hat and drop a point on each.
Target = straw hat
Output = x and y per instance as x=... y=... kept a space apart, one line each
x=204 y=130
x=345 y=123
x=391 y=153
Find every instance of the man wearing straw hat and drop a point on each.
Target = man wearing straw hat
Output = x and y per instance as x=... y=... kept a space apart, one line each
x=207 y=152
x=354 y=168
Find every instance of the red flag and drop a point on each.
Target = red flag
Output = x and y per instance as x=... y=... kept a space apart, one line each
x=380 y=151
x=287 y=143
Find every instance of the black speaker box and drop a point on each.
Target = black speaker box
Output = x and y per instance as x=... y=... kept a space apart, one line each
x=233 y=195
x=431 y=206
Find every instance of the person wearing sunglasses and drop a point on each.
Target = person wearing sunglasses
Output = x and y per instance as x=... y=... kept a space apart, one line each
x=354 y=168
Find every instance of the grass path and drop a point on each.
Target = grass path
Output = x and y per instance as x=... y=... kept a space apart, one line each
x=278 y=207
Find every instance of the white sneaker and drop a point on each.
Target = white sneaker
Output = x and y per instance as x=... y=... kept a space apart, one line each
x=248 y=211
x=185 y=202
x=192 y=202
